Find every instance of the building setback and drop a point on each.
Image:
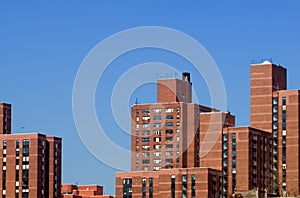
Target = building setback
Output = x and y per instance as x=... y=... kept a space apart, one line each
x=30 y=163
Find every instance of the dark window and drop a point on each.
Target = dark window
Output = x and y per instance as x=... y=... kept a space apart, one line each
x=17 y=175
x=169 y=124
x=25 y=195
x=25 y=150
x=284 y=115
x=184 y=186
x=25 y=178
x=145 y=161
x=144 y=187
x=169 y=117
x=169 y=138
x=233 y=144
x=193 y=186
x=169 y=131
x=4 y=144
x=145 y=139
x=214 y=186
x=173 y=187
x=146 y=111
x=151 y=187
x=283 y=100
x=233 y=136
x=283 y=125
x=4 y=180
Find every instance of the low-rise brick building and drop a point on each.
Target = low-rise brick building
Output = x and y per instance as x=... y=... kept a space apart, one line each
x=82 y=191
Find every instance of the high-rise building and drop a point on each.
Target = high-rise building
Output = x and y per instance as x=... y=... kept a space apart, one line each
x=166 y=134
x=277 y=110
x=175 y=133
x=165 y=145
x=265 y=79
x=242 y=153
x=30 y=163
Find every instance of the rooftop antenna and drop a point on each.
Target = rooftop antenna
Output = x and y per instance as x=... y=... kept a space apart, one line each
x=136 y=101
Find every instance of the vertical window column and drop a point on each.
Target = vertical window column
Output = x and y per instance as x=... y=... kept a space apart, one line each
x=225 y=163
x=151 y=187
x=233 y=137
x=43 y=168
x=184 y=186
x=274 y=147
x=17 y=167
x=55 y=168
x=254 y=161
x=4 y=146
x=193 y=185
x=25 y=169
x=127 y=188
x=173 y=186
x=214 y=186
x=284 y=144
x=144 y=182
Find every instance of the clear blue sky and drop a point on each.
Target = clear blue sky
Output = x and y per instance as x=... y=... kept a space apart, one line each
x=42 y=45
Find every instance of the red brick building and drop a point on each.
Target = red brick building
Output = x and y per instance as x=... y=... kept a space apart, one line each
x=175 y=133
x=177 y=182
x=82 y=191
x=165 y=145
x=31 y=163
x=275 y=109
x=242 y=153
x=166 y=134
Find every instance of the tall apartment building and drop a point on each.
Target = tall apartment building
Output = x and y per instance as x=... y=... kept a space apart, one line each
x=275 y=109
x=165 y=145
x=242 y=153
x=30 y=163
x=166 y=134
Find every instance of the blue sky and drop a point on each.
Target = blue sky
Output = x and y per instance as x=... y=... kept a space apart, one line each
x=42 y=45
